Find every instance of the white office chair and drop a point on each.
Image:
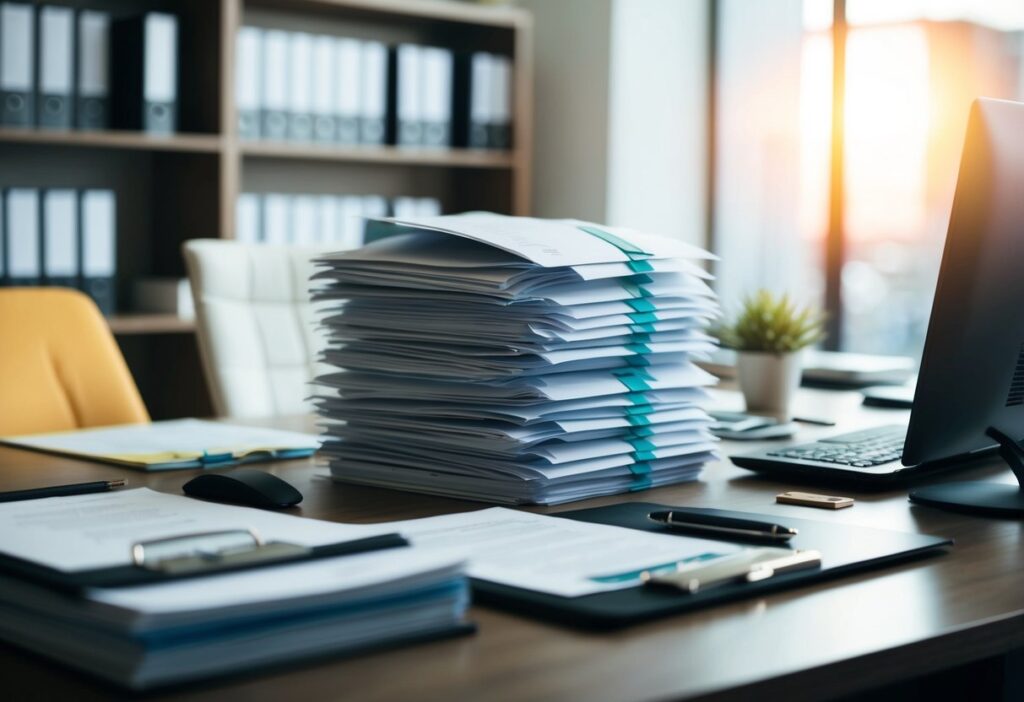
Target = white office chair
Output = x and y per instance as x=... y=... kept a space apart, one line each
x=257 y=330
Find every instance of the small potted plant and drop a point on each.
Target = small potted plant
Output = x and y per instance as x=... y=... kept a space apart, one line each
x=768 y=336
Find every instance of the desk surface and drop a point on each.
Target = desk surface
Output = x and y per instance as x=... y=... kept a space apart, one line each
x=811 y=643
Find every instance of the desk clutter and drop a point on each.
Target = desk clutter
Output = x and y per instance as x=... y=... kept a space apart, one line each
x=514 y=360
x=302 y=87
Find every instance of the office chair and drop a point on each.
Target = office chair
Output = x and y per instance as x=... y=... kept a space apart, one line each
x=60 y=368
x=257 y=331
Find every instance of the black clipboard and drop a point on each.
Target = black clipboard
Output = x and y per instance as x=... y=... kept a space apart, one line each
x=845 y=549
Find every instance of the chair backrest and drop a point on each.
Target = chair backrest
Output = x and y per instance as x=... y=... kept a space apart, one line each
x=258 y=336
x=60 y=368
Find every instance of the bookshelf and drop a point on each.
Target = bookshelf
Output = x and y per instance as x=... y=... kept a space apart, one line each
x=183 y=186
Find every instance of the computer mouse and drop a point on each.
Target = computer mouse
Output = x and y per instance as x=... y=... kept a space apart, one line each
x=244 y=486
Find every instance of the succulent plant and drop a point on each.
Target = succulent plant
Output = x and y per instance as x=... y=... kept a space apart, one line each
x=774 y=324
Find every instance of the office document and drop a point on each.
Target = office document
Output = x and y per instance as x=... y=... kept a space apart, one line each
x=177 y=443
x=154 y=634
x=98 y=221
x=17 y=64
x=373 y=92
x=93 y=78
x=347 y=91
x=56 y=42
x=248 y=70
x=275 y=95
x=300 y=86
x=24 y=262
x=60 y=237
x=515 y=360
x=556 y=556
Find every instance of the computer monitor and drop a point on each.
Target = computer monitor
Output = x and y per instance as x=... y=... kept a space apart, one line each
x=970 y=390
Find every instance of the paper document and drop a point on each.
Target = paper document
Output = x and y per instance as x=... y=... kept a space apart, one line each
x=553 y=555
x=179 y=443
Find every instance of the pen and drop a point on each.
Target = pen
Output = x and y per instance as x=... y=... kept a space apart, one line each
x=818 y=422
x=60 y=490
x=714 y=525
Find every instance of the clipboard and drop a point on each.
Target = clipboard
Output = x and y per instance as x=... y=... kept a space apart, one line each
x=844 y=549
x=191 y=556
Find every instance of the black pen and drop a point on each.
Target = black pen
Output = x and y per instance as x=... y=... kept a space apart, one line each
x=61 y=490
x=714 y=525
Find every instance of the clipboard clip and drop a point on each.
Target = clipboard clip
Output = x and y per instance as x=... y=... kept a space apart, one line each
x=747 y=566
x=212 y=551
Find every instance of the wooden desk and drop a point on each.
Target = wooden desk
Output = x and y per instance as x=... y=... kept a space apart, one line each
x=817 y=642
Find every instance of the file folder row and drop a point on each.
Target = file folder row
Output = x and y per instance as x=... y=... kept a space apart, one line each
x=302 y=86
x=60 y=237
x=55 y=69
x=514 y=360
x=319 y=220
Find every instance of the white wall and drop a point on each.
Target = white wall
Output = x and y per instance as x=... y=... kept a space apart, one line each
x=620 y=112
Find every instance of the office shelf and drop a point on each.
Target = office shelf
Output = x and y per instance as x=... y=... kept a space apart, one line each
x=114 y=139
x=452 y=158
x=133 y=324
x=413 y=10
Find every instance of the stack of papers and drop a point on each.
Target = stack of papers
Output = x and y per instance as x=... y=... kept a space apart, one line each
x=151 y=635
x=515 y=360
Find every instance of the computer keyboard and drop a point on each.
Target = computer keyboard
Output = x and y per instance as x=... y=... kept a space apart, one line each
x=861 y=449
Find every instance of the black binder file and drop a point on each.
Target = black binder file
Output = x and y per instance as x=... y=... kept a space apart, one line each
x=844 y=549
x=56 y=74
x=92 y=109
x=144 y=50
x=98 y=225
x=17 y=67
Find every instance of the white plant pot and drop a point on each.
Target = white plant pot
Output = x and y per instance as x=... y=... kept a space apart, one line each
x=769 y=381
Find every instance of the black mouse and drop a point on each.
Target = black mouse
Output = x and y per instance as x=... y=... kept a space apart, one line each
x=252 y=488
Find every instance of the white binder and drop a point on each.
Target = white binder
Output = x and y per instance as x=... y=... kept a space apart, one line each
x=350 y=221
x=300 y=86
x=373 y=92
x=277 y=218
x=248 y=62
x=21 y=206
x=98 y=221
x=500 y=133
x=304 y=225
x=437 y=67
x=274 y=110
x=326 y=219
x=247 y=218
x=92 y=110
x=408 y=95
x=481 y=79
x=324 y=83
x=348 y=89
x=53 y=99
x=60 y=237
x=160 y=81
x=17 y=65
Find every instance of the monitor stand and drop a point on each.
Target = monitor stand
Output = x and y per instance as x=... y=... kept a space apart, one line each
x=977 y=497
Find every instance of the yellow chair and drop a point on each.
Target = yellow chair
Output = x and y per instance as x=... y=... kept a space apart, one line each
x=60 y=368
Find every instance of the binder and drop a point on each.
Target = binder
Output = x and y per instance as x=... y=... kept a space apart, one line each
x=248 y=68
x=373 y=92
x=274 y=111
x=247 y=218
x=428 y=207
x=324 y=82
x=17 y=66
x=845 y=549
x=92 y=110
x=405 y=77
x=437 y=96
x=23 y=246
x=350 y=221
x=327 y=219
x=60 y=237
x=304 y=224
x=98 y=223
x=499 y=134
x=277 y=218
x=300 y=86
x=405 y=207
x=56 y=42
x=144 y=50
x=348 y=89
x=481 y=81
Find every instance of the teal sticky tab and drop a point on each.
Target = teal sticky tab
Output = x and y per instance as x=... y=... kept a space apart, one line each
x=641 y=444
x=639 y=348
x=643 y=317
x=209 y=459
x=641 y=304
x=641 y=328
x=640 y=468
x=636 y=290
x=638 y=372
x=637 y=398
x=641 y=432
x=631 y=250
x=639 y=410
x=643 y=455
x=640 y=338
x=634 y=383
x=637 y=361
x=641 y=484
x=641 y=279
x=640 y=266
x=638 y=420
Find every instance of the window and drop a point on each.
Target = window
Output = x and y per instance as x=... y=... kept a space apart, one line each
x=912 y=68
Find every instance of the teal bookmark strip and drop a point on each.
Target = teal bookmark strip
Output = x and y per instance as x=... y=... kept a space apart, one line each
x=636 y=290
x=642 y=328
x=638 y=420
x=640 y=468
x=643 y=317
x=637 y=361
x=637 y=398
x=633 y=251
x=640 y=338
x=640 y=266
x=639 y=348
x=213 y=459
x=635 y=384
x=643 y=455
x=641 y=304
x=641 y=432
x=639 y=410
